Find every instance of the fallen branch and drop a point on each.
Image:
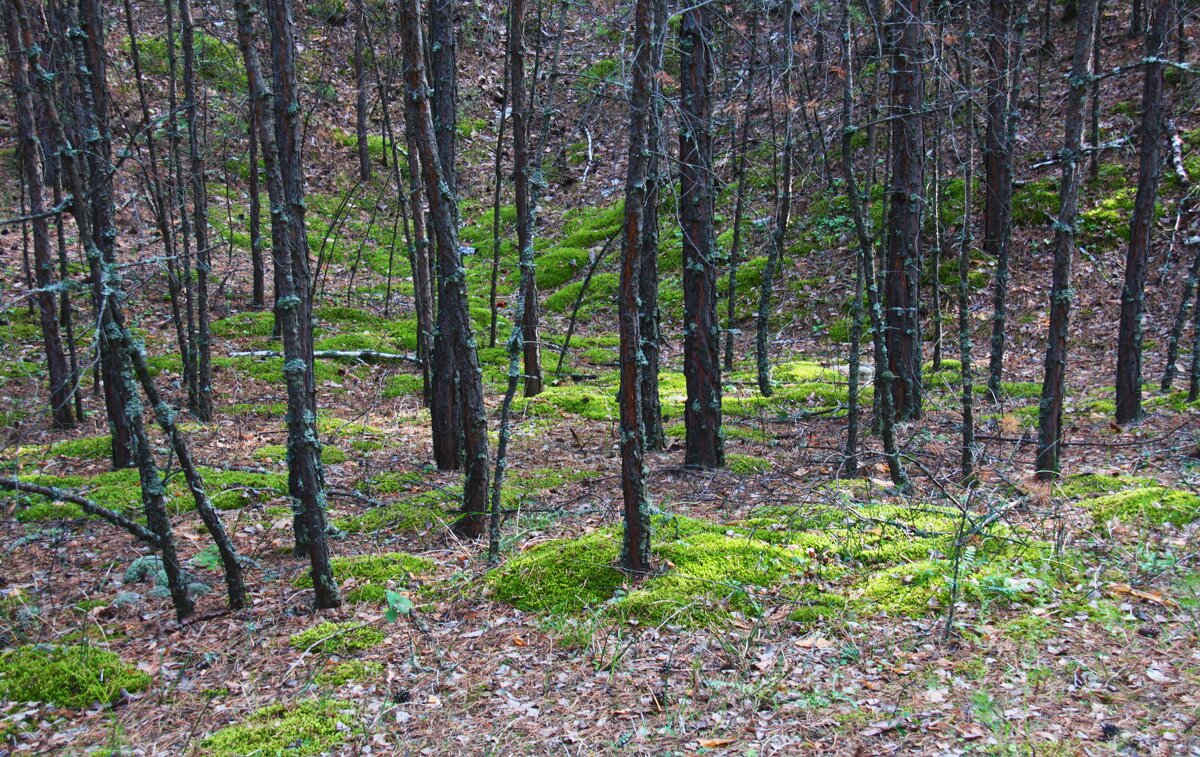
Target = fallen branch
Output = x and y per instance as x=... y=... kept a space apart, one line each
x=364 y=355
x=88 y=506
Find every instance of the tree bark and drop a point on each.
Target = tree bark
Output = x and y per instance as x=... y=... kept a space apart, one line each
x=635 y=541
x=454 y=316
x=649 y=319
x=701 y=334
x=278 y=134
x=1054 y=380
x=361 y=106
x=1129 y=339
x=902 y=294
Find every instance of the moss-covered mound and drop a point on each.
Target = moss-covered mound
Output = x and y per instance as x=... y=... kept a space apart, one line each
x=306 y=728
x=337 y=638
x=710 y=574
x=68 y=676
x=1151 y=505
x=367 y=577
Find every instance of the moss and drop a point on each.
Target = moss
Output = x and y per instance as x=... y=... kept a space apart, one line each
x=709 y=574
x=45 y=511
x=602 y=290
x=68 y=676
x=87 y=448
x=257 y=323
x=586 y=400
x=402 y=385
x=370 y=575
x=558 y=266
x=278 y=453
x=348 y=672
x=337 y=638
x=392 y=482
x=1083 y=484
x=469 y=127
x=1153 y=505
x=747 y=464
x=413 y=513
x=309 y=727
x=1035 y=203
x=217 y=63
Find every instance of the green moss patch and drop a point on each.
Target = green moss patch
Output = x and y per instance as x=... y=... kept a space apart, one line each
x=415 y=512
x=747 y=464
x=87 y=448
x=1083 y=484
x=558 y=266
x=369 y=576
x=348 y=672
x=68 y=676
x=1152 y=505
x=277 y=453
x=309 y=727
x=337 y=638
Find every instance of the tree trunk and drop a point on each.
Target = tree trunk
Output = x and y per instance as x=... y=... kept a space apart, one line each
x=649 y=330
x=361 y=106
x=701 y=333
x=259 y=296
x=966 y=368
x=1054 y=381
x=454 y=316
x=525 y=209
x=902 y=279
x=635 y=543
x=739 y=210
x=43 y=262
x=1129 y=340
x=202 y=408
x=278 y=134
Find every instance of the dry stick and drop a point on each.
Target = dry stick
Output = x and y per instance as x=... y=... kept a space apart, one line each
x=88 y=506
x=362 y=245
x=364 y=355
x=339 y=220
x=587 y=280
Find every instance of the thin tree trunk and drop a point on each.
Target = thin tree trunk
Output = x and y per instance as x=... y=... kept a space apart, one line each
x=498 y=181
x=361 y=106
x=525 y=208
x=1141 y=227
x=455 y=318
x=966 y=368
x=259 y=296
x=277 y=118
x=739 y=209
x=1187 y=210
x=635 y=542
x=783 y=212
x=866 y=264
x=701 y=334
x=1054 y=381
x=902 y=279
x=649 y=319
x=1094 y=126
x=43 y=262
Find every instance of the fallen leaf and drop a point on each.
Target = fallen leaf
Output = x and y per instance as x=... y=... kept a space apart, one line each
x=714 y=743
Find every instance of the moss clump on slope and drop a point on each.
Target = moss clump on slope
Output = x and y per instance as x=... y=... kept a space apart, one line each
x=1153 y=505
x=68 y=676
x=337 y=638
x=307 y=728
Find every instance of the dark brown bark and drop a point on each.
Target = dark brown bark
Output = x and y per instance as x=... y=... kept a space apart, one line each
x=1054 y=381
x=58 y=371
x=1129 y=339
x=454 y=315
x=423 y=279
x=635 y=542
x=701 y=333
x=649 y=329
x=361 y=106
x=259 y=287
x=902 y=294
x=278 y=122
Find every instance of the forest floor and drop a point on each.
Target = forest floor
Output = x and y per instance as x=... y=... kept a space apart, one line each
x=794 y=610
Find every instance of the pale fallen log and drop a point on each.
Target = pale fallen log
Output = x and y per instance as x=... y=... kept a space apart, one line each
x=366 y=356
x=88 y=506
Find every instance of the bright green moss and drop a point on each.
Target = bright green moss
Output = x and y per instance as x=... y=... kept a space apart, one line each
x=309 y=727
x=601 y=292
x=392 y=482
x=44 y=511
x=747 y=464
x=348 y=672
x=68 y=676
x=413 y=513
x=403 y=384
x=590 y=401
x=278 y=453
x=1154 y=505
x=1083 y=484
x=911 y=589
x=1035 y=203
x=258 y=323
x=558 y=266
x=371 y=575
x=87 y=448
x=337 y=638
x=564 y=576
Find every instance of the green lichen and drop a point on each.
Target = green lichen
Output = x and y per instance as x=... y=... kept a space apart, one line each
x=1152 y=505
x=68 y=676
x=309 y=727
x=337 y=638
